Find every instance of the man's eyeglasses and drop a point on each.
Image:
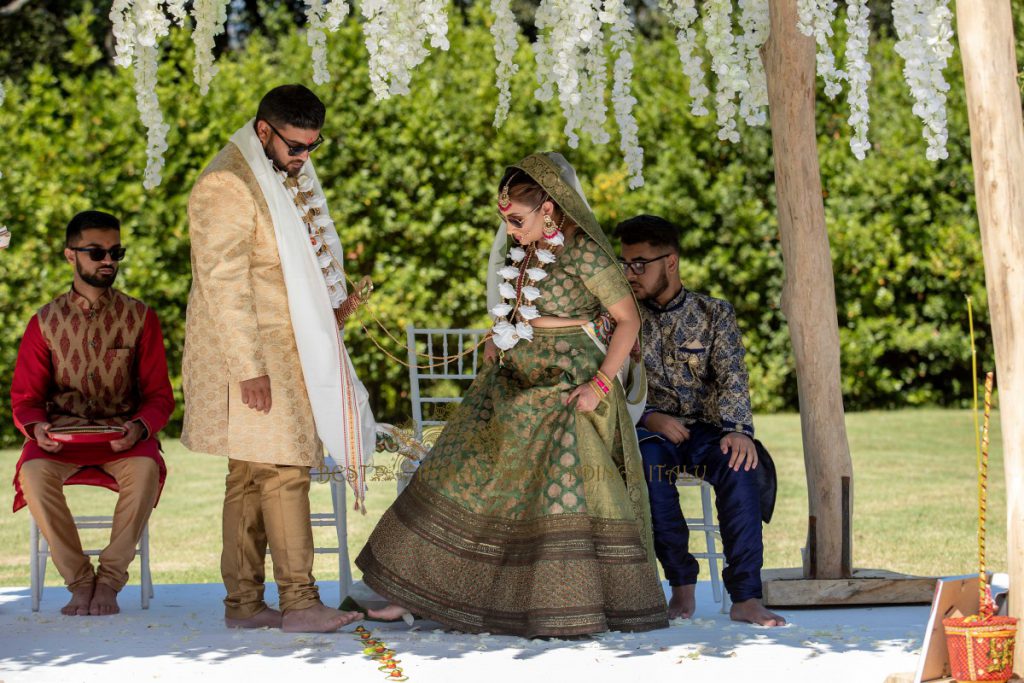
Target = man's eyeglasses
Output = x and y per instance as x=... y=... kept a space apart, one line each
x=99 y=253
x=638 y=267
x=295 y=150
x=517 y=223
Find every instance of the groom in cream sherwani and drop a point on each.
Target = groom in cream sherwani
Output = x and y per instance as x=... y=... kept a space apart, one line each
x=267 y=380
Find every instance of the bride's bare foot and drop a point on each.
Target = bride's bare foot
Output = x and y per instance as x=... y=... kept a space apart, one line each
x=104 y=601
x=78 y=606
x=754 y=612
x=268 y=618
x=391 y=612
x=317 y=619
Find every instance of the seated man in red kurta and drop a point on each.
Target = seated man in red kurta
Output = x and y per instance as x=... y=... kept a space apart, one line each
x=92 y=356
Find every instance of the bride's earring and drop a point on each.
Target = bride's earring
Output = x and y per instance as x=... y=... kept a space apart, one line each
x=550 y=230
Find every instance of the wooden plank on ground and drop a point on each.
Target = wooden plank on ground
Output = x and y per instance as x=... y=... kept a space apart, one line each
x=788 y=588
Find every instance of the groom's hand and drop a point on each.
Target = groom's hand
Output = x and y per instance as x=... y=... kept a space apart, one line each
x=256 y=393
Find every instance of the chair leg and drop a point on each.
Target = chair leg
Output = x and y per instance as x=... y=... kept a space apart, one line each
x=710 y=528
x=37 y=576
x=338 y=500
x=145 y=579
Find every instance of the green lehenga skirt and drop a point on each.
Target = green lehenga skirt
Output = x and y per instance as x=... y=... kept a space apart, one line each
x=528 y=517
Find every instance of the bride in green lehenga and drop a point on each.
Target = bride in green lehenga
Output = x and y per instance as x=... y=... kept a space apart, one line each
x=530 y=515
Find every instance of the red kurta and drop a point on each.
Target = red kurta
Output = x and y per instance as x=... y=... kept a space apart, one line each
x=83 y=364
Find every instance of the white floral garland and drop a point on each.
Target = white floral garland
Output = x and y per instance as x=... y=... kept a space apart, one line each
x=858 y=74
x=505 y=31
x=728 y=65
x=683 y=15
x=925 y=35
x=395 y=31
x=622 y=93
x=320 y=18
x=210 y=16
x=507 y=333
x=814 y=18
x=312 y=206
x=753 y=91
x=138 y=27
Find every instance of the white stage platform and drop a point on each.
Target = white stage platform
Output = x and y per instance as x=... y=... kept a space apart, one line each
x=182 y=638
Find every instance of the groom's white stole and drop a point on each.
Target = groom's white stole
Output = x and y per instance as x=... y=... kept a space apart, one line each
x=341 y=409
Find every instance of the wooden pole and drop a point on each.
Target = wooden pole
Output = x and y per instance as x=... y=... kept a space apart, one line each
x=985 y=30
x=808 y=296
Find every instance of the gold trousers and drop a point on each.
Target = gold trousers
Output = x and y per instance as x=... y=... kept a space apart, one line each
x=138 y=479
x=266 y=503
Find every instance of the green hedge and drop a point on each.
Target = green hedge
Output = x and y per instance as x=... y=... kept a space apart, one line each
x=411 y=185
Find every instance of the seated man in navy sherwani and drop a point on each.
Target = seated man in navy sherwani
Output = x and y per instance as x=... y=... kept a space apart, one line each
x=698 y=420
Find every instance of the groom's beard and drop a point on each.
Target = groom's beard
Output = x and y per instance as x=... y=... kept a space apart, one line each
x=289 y=165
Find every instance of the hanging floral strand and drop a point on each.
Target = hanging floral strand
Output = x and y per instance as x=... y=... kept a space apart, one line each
x=504 y=29
x=322 y=17
x=395 y=31
x=814 y=19
x=210 y=16
x=858 y=74
x=683 y=15
x=138 y=27
x=729 y=66
x=925 y=35
x=622 y=94
x=754 y=88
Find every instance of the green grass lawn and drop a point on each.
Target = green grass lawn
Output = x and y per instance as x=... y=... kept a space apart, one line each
x=914 y=503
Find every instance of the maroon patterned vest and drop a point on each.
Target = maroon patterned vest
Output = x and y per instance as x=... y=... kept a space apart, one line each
x=92 y=349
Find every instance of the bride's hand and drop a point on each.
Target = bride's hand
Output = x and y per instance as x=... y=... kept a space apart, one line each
x=585 y=397
x=490 y=352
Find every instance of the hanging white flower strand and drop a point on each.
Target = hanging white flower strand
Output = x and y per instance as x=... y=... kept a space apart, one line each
x=729 y=66
x=622 y=94
x=683 y=15
x=925 y=35
x=753 y=91
x=814 y=18
x=505 y=30
x=512 y=318
x=210 y=16
x=858 y=74
x=320 y=18
x=138 y=27
x=395 y=31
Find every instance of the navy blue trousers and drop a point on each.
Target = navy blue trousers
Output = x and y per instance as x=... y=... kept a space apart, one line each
x=736 y=498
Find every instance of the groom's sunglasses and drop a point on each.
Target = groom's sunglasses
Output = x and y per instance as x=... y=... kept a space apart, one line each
x=99 y=253
x=295 y=150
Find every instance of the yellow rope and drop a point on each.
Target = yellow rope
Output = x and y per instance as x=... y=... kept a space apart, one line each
x=985 y=597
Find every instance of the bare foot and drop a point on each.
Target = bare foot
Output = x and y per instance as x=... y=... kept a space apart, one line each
x=753 y=612
x=268 y=618
x=683 y=602
x=79 y=604
x=391 y=612
x=317 y=619
x=104 y=601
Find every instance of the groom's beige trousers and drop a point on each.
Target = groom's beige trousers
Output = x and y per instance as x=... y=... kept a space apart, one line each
x=265 y=503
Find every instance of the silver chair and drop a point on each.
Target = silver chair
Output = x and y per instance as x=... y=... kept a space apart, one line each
x=39 y=551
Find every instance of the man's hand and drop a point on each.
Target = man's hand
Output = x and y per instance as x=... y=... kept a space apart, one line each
x=672 y=429
x=45 y=442
x=741 y=451
x=256 y=393
x=132 y=434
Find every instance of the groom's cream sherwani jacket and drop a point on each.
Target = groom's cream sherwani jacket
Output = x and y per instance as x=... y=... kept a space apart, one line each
x=238 y=326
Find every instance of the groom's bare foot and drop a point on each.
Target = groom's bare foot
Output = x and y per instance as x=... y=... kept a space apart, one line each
x=104 y=601
x=683 y=602
x=391 y=612
x=317 y=619
x=78 y=606
x=268 y=618
x=753 y=612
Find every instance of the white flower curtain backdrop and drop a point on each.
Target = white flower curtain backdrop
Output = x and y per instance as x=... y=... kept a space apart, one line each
x=578 y=43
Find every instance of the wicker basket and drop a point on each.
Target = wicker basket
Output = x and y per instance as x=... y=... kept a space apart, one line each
x=980 y=649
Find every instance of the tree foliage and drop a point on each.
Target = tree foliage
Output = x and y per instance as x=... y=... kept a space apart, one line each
x=411 y=183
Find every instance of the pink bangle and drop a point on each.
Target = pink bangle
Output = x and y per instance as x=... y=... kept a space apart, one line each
x=604 y=387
